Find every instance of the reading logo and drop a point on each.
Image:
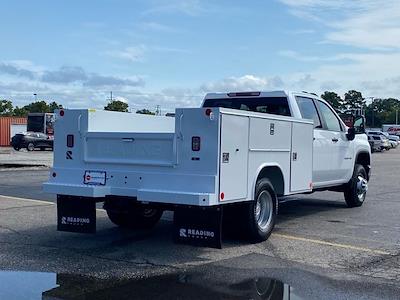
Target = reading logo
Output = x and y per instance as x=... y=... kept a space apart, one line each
x=196 y=233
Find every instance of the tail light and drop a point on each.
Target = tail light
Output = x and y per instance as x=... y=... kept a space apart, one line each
x=195 y=143
x=70 y=140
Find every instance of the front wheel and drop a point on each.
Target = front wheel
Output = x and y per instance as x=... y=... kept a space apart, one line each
x=135 y=216
x=261 y=212
x=30 y=147
x=356 y=189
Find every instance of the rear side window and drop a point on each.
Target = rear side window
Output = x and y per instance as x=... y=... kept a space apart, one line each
x=332 y=122
x=269 y=105
x=308 y=110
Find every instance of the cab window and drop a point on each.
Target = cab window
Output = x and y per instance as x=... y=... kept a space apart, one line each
x=331 y=121
x=308 y=110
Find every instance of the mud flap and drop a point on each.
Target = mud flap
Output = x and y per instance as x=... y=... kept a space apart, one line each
x=198 y=226
x=76 y=214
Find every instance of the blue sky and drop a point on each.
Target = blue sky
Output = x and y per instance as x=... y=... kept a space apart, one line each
x=172 y=52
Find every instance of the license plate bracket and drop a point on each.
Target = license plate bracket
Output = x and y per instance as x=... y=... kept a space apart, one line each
x=95 y=177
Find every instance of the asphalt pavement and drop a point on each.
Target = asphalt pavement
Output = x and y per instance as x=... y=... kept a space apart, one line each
x=320 y=249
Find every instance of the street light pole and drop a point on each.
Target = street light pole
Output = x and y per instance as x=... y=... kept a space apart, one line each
x=35 y=97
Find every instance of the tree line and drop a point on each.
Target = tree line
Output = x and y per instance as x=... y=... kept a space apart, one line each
x=378 y=111
x=7 y=108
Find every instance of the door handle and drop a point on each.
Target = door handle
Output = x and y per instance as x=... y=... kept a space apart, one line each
x=335 y=140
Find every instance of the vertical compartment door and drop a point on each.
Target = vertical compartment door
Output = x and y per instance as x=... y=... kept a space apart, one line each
x=234 y=157
x=301 y=163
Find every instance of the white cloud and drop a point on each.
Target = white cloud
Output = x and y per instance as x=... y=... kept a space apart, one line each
x=132 y=53
x=243 y=83
x=366 y=24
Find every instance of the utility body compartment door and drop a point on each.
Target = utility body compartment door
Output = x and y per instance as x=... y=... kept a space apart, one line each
x=234 y=157
x=301 y=164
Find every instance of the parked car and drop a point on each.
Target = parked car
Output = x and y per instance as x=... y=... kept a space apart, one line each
x=393 y=139
x=376 y=143
x=384 y=142
x=32 y=140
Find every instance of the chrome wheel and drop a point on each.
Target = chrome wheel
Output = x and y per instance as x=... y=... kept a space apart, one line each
x=264 y=210
x=362 y=187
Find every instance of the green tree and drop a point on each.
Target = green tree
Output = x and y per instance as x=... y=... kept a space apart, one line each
x=37 y=107
x=116 y=105
x=333 y=99
x=53 y=106
x=6 y=108
x=145 y=112
x=353 y=100
x=20 y=112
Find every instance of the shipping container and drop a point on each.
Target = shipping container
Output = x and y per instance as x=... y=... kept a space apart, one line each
x=5 y=129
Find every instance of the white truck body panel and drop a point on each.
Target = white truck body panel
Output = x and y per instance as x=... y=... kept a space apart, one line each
x=391 y=129
x=151 y=158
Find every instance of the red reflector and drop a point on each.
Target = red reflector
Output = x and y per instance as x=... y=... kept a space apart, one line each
x=62 y=113
x=70 y=140
x=195 y=143
x=208 y=111
x=222 y=196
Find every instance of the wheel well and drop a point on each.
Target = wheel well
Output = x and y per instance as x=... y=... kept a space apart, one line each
x=364 y=159
x=274 y=174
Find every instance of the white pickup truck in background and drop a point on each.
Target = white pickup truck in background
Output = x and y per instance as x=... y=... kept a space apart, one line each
x=230 y=159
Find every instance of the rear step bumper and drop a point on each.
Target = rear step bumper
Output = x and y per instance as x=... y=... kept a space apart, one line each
x=154 y=196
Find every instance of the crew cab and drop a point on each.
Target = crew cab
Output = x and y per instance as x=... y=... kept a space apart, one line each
x=230 y=160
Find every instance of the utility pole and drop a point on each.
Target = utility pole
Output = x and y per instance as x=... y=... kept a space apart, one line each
x=35 y=97
x=111 y=97
x=158 y=110
x=397 y=115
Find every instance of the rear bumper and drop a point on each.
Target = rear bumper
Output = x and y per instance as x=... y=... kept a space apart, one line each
x=151 y=196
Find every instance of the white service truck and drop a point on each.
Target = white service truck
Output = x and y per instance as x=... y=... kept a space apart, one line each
x=231 y=160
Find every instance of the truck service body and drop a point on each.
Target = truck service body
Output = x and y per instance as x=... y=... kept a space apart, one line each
x=240 y=148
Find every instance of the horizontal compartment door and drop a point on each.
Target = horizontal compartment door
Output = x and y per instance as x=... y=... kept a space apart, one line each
x=130 y=148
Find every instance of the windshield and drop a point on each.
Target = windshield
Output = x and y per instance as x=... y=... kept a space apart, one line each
x=269 y=105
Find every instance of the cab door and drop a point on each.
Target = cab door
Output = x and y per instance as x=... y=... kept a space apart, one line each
x=338 y=146
x=321 y=140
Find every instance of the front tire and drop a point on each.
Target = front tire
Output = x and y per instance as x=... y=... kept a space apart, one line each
x=356 y=189
x=261 y=212
x=30 y=147
x=132 y=215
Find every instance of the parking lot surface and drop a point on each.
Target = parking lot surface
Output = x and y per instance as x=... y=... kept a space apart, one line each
x=15 y=159
x=320 y=249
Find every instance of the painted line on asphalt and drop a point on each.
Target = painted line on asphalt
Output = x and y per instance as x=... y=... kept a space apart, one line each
x=337 y=245
x=26 y=199
x=35 y=200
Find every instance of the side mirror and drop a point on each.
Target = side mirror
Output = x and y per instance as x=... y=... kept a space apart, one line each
x=351 y=133
x=359 y=124
x=356 y=128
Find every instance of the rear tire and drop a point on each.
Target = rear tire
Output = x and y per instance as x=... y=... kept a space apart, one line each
x=30 y=147
x=260 y=214
x=356 y=189
x=17 y=148
x=132 y=215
